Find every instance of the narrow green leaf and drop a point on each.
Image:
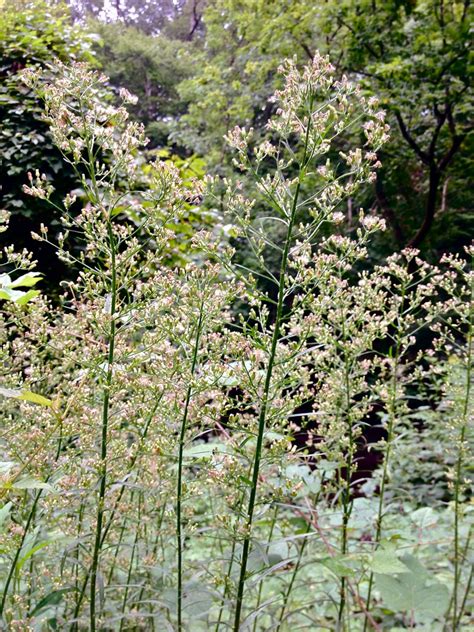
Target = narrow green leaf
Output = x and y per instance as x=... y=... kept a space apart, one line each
x=4 y=512
x=26 y=396
x=54 y=598
x=31 y=483
x=27 y=297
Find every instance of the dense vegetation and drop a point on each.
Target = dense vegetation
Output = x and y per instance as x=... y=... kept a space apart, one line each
x=236 y=315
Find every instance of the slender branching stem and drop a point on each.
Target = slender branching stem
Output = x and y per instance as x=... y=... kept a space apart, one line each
x=456 y=615
x=346 y=492
x=289 y=588
x=392 y=410
x=16 y=557
x=179 y=490
x=105 y=430
x=262 y=418
x=130 y=565
x=260 y=583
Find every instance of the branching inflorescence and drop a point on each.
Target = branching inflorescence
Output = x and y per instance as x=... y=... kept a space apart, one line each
x=172 y=461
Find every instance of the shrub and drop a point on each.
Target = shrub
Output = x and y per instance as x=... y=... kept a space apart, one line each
x=169 y=464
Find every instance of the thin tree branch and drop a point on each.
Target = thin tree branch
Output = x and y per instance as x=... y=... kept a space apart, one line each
x=430 y=208
x=411 y=141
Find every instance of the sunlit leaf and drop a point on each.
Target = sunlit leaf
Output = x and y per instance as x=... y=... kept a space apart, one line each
x=26 y=396
x=26 y=280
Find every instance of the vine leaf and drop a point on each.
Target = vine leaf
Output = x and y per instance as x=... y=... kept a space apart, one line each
x=415 y=590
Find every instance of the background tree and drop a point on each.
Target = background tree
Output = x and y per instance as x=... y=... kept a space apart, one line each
x=415 y=55
x=181 y=17
x=151 y=67
x=235 y=71
x=33 y=33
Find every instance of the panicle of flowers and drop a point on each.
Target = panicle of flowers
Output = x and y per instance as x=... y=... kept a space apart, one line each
x=39 y=186
x=239 y=139
x=4 y=220
x=127 y=97
x=83 y=122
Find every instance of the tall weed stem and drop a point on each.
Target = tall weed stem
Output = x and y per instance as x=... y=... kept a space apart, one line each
x=105 y=429
x=179 y=487
x=262 y=419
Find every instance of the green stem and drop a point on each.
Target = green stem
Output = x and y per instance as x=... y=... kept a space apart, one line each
x=389 y=440
x=260 y=583
x=18 y=551
x=390 y=427
x=130 y=567
x=262 y=418
x=459 y=465
x=286 y=597
x=347 y=492
x=110 y=521
x=104 y=434
x=29 y=522
x=179 y=491
x=229 y=572
x=118 y=545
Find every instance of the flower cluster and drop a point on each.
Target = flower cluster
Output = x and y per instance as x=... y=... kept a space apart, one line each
x=182 y=448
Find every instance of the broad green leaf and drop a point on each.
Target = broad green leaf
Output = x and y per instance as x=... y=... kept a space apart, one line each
x=424 y=517
x=26 y=280
x=338 y=565
x=11 y=295
x=387 y=563
x=416 y=567
x=413 y=591
x=196 y=602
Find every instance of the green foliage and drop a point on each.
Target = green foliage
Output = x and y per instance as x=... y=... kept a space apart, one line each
x=234 y=74
x=9 y=291
x=26 y=396
x=415 y=55
x=33 y=33
x=150 y=68
x=182 y=18
x=413 y=590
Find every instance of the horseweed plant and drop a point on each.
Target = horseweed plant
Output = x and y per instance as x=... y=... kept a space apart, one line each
x=173 y=463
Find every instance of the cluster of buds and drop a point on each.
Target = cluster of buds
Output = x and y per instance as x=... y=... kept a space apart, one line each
x=83 y=122
x=39 y=186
